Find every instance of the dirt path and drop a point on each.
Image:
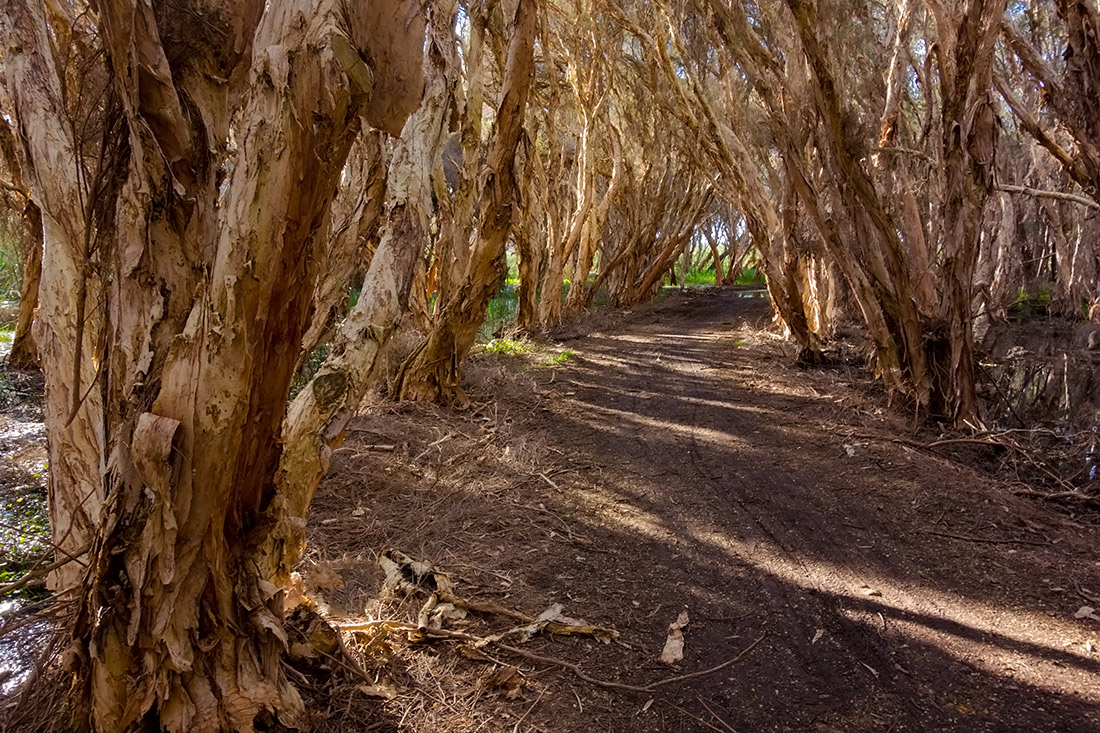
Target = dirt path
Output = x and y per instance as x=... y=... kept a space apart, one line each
x=679 y=461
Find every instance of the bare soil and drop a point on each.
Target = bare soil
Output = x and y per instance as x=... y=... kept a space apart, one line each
x=676 y=459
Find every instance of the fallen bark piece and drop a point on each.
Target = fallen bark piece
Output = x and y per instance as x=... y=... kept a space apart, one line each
x=507 y=680
x=1087 y=612
x=407 y=575
x=386 y=692
x=674 y=644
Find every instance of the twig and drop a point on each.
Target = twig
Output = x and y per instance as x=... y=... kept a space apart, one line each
x=1075 y=494
x=693 y=716
x=1083 y=594
x=38 y=573
x=717 y=717
x=515 y=728
x=54 y=545
x=986 y=540
x=621 y=686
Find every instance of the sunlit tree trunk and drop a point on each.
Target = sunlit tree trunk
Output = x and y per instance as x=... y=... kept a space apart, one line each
x=432 y=371
x=318 y=415
x=170 y=325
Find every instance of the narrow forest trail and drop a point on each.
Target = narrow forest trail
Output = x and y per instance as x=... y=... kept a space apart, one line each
x=695 y=468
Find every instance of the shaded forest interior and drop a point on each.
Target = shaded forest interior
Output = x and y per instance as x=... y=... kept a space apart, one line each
x=238 y=237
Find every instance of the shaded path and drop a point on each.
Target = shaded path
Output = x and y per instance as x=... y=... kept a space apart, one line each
x=719 y=481
x=679 y=461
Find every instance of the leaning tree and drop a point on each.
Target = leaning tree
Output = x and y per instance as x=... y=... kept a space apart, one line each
x=177 y=280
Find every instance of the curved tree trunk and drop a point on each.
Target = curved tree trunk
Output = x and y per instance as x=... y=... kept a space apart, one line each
x=206 y=289
x=24 y=351
x=432 y=371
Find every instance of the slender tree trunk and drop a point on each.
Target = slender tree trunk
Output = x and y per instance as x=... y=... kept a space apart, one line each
x=24 y=351
x=432 y=371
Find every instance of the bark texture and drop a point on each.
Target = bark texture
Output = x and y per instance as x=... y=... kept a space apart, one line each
x=188 y=297
x=432 y=371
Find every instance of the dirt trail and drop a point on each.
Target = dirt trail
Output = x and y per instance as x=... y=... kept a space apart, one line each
x=694 y=468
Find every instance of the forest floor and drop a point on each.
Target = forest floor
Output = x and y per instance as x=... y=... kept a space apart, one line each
x=674 y=459
x=837 y=573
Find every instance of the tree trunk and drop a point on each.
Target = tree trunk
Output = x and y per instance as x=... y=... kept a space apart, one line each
x=207 y=289
x=351 y=243
x=432 y=371
x=24 y=351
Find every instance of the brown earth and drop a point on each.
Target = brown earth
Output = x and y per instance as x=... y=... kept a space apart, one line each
x=678 y=460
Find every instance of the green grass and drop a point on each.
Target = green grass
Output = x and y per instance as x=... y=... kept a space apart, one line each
x=751 y=276
x=701 y=277
x=563 y=358
x=508 y=347
x=501 y=312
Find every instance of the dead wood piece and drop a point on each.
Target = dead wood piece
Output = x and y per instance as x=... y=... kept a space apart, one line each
x=416 y=633
x=987 y=540
x=407 y=574
x=550 y=626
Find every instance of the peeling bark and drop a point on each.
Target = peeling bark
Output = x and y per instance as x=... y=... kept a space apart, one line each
x=188 y=300
x=432 y=371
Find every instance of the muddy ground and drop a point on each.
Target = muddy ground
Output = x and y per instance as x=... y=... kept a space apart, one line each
x=675 y=459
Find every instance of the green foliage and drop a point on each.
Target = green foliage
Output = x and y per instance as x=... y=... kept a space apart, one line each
x=563 y=358
x=508 y=347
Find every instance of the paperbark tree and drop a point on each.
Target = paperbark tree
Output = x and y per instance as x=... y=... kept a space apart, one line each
x=432 y=370
x=24 y=352
x=172 y=312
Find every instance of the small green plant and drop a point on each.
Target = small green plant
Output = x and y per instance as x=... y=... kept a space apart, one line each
x=563 y=358
x=508 y=347
x=1034 y=304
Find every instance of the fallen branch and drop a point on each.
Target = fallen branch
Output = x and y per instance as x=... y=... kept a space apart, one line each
x=478 y=642
x=987 y=540
x=38 y=573
x=551 y=627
